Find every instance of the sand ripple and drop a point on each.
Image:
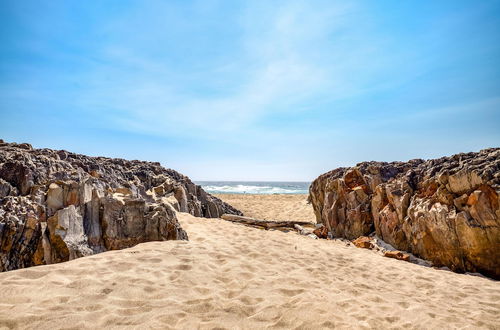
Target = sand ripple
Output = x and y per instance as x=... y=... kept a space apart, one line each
x=234 y=277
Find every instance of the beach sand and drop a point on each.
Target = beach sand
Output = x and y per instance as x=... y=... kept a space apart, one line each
x=271 y=207
x=236 y=277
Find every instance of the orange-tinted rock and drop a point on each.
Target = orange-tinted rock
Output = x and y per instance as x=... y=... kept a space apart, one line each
x=397 y=255
x=363 y=242
x=94 y=173
x=444 y=210
x=321 y=232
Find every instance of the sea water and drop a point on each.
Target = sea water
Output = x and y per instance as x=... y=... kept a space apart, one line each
x=254 y=187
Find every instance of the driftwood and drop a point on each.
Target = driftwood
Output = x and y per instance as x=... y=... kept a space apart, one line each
x=301 y=230
x=267 y=224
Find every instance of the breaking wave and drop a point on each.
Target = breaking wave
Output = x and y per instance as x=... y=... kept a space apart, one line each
x=257 y=188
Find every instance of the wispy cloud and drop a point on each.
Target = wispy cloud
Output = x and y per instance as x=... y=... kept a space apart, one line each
x=272 y=89
x=283 y=59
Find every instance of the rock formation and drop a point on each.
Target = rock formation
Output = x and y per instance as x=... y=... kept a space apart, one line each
x=444 y=210
x=57 y=206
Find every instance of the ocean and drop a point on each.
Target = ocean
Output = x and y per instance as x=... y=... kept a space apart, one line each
x=254 y=187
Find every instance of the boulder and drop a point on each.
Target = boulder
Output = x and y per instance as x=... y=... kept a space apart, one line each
x=363 y=242
x=20 y=233
x=397 y=255
x=444 y=210
x=180 y=195
x=321 y=231
x=6 y=189
x=55 y=200
x=56 y=205
x=67 y=237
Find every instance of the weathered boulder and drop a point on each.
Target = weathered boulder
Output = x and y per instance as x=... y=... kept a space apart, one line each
x=397 y=255
x=321 y=231
x=66 y=235
x=56 y=206
x=444 y=210
x=363 y=242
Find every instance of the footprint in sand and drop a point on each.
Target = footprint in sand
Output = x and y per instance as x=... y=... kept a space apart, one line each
x=174 y=276
x=106 y=291
x=290 y=292
x=202 y=290
x=149 y=289
x=183 y=267
x=404 y=304
x=32 y=274
x=233 y=293
x=199 y=305
x=246 y=275
x=93 y=308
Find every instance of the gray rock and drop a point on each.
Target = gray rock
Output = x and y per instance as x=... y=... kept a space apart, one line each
x=57 y=206
x=66 y=234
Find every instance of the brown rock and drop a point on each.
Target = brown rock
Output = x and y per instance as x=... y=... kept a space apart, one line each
x=444 y=210
x=94 y=174
x=363 y=242
x=321 y=232
x=123 y=191
x=397 y=255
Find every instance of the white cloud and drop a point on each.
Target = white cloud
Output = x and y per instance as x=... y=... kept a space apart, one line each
x=283 y=60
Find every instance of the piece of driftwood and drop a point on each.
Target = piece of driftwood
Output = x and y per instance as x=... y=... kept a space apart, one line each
x=267 y=224
x=301 y=230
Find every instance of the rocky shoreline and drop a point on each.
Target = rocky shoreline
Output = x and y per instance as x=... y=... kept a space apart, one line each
x=57 y=206
x=444 y=210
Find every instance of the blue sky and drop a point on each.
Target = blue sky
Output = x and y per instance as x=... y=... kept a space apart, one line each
x=251 y=90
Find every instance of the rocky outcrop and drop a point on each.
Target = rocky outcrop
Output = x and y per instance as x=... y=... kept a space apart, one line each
x=444 y=210
x=57 y=206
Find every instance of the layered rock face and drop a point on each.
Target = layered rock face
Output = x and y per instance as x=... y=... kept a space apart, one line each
x=444 y=210
x=56 y=205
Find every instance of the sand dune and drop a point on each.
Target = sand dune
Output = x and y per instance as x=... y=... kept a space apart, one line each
x=235 y=277
x=271 y=207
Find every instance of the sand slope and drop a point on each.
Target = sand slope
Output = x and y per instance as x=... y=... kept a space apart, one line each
x=272 y=207
x=231 y=276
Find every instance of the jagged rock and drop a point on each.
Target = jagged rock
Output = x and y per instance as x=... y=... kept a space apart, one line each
x=56 y=206
x=180 y=195
x=6 y=189
x=55 y=200
x=321 y=231
x=66 y=235
x=20 y=233
x=444 y=210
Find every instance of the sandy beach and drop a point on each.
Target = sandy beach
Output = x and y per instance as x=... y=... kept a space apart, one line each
x=272 y=207
x=249 y=165
x=228 y=276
